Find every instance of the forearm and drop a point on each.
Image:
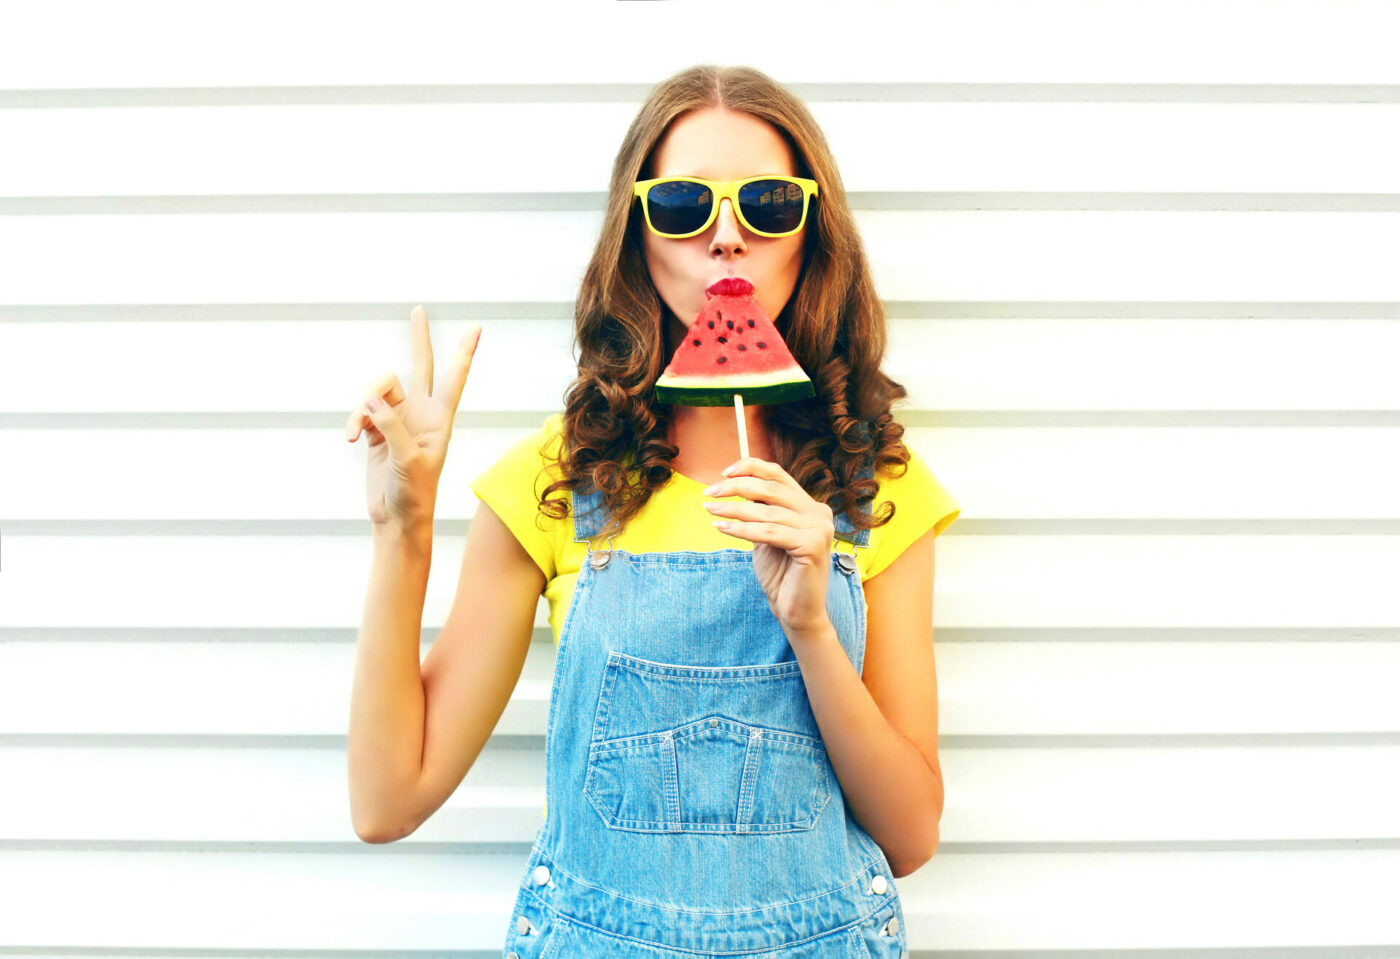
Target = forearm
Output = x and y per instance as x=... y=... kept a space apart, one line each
x=890 y=788
x=387 y=703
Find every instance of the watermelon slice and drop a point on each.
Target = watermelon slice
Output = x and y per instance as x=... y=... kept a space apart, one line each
x=732 y=348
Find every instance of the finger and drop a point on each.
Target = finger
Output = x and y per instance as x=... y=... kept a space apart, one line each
x=753 y=466
x=764 y=491
x=386 y=420
x=784 y=537
x=456 y=379
x=422 y=350
x=755 y=513
x=387 y=387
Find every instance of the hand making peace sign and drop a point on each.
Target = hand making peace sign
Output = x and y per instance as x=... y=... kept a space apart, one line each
x=408 y=431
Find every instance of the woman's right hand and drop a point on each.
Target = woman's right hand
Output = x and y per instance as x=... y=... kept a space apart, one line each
x=408 y=431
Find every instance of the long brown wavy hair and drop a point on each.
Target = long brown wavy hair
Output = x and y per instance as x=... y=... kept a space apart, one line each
x=614 y=433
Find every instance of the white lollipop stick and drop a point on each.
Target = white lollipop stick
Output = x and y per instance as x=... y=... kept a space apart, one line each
x=743 y=429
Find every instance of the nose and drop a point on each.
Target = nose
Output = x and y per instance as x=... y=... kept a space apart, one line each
x=729 y=233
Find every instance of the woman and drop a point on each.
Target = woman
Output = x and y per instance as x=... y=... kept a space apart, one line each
x=741 y=749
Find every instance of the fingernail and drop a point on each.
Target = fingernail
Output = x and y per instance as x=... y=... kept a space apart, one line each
x=727 y=470
x=709 y=490
x=374 y=403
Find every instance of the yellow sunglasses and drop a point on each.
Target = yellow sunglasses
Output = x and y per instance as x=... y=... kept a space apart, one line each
x=682 y=206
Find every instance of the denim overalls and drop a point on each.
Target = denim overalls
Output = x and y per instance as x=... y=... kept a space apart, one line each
x=692 y=809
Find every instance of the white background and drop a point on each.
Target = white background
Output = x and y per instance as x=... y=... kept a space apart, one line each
x=1140 y=267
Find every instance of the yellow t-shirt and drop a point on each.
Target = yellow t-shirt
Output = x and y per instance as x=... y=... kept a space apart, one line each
x=674 y=519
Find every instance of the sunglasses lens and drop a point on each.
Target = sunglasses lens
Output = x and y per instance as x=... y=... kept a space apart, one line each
x=773 y=206
x=680 y=206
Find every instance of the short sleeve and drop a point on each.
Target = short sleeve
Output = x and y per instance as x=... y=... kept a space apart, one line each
x=921 y=503
x=512 y=488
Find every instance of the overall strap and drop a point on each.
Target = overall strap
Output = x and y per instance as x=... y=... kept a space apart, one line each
x=589 y=511
x=845 y=529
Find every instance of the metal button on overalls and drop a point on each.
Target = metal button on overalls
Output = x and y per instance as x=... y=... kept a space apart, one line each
x=892 y=927
x=522 y=925
x=663 y=823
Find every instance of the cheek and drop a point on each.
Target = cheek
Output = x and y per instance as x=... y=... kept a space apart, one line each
x=664 y=259
x=793 y=247
x=787 y=258
x=676 y=268
x=784 y=271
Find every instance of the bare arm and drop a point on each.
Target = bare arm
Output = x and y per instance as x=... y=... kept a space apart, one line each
x=416 y=730
x=415 y=733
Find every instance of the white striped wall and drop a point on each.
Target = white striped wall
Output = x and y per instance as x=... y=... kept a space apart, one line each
x=1140 y=263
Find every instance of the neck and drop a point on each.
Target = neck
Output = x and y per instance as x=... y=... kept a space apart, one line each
x=720 y=423
x=707 y=439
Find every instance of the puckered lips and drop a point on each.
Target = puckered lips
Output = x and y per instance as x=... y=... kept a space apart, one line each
x=730 y=286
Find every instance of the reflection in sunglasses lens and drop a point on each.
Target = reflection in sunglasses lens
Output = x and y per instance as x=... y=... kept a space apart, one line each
x=680 y=206
x=773 y=206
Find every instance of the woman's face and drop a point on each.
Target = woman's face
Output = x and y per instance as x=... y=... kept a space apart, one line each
x=720 y=144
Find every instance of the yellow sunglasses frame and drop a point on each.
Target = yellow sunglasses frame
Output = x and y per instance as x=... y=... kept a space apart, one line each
x=722 y=189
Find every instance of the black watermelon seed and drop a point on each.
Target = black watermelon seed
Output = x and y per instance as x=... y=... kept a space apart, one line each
x=743 y=347
x=694 y=342
x=750 y=322
x=730 y=322
x=712 y=324
x=723 y=340
x=762 y=345
x=720 y=360
x=719 y=314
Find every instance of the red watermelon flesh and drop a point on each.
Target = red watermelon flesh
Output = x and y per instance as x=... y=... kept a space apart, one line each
x=732 y=347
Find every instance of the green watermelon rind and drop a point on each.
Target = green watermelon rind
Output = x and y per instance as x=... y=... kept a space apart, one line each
x=779 y=387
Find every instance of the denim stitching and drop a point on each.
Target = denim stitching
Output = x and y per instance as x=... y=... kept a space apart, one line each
x=858 y=882
x=681 y=671
x=782 y=946
x=636 y=743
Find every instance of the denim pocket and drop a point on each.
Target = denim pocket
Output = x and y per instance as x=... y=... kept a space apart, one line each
x=705 y=749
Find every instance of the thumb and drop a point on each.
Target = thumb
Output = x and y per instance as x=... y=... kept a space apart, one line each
x=386 y=420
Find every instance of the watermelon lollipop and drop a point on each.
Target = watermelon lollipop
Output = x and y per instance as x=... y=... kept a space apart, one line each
x=732 y=353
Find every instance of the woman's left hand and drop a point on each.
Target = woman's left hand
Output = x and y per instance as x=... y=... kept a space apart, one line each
x=792 y=536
